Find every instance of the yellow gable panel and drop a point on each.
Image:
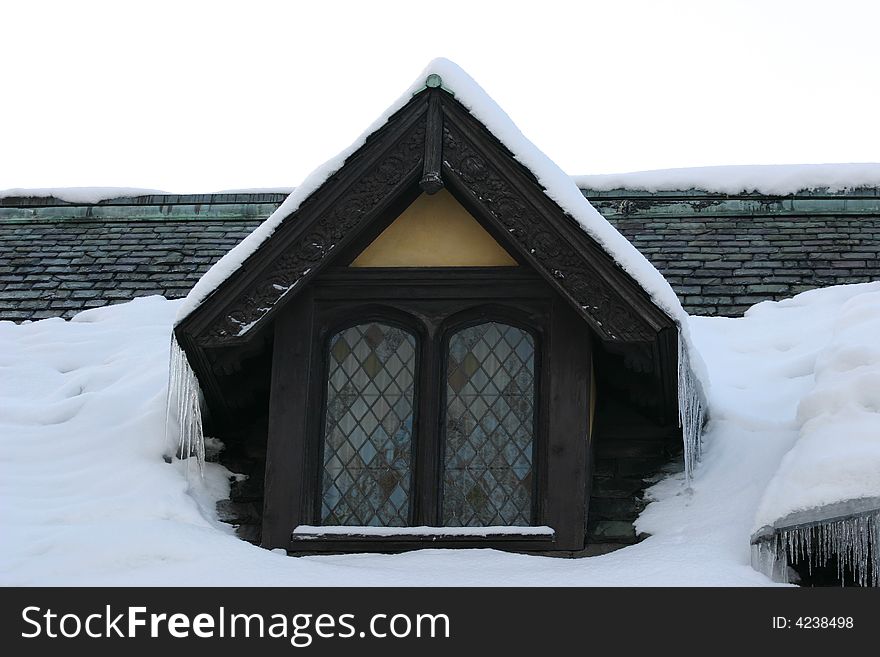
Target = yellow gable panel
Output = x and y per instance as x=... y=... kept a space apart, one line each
x=434 y=231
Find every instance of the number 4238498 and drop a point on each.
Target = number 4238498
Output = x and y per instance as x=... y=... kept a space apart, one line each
x=813 y=622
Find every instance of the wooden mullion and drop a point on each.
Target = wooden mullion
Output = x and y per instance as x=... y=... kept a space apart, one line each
x=568 y=457
x=287 y=481
x=426 y=471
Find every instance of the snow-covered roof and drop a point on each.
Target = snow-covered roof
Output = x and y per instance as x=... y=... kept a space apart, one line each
x=795 y=393
x=257 y=190
x=558 y=186
x=81 y=425
x=91 y=195
x=772 y=179
x=693 y=248
x=78 y=194
x=82 y=411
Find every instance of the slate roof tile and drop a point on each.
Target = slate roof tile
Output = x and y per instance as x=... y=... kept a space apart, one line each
x=56 y=261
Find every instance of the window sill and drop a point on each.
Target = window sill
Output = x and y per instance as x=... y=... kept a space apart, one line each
x=422 y=534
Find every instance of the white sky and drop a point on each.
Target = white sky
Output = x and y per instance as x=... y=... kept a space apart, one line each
x=191 y=96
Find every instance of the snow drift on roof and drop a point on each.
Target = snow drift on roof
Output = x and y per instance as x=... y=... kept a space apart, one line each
x=79 y=194
x=256 y=190
x=81 y=429
x=823 y=500
x=837 y=455
x=558 y=186
x=87 y=499
x=774 y=179
x=796 y=425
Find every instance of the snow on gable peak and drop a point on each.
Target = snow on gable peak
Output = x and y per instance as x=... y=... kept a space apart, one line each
x=558 y=186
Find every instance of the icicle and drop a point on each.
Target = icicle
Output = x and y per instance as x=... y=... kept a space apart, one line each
x=854 y=541
x=691 y=410
x=768 y=559
x=183 y=413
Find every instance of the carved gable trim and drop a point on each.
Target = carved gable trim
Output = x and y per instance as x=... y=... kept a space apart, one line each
x=580 y=269
x=499 y=190
x=318 y=237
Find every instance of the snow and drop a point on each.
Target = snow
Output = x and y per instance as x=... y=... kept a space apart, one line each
x=795 y=383
x=79 y=194
x=774 y=179
x=257 y=190
x=837 y=454
x=87 y=498
x=558 y=186
x=98 y=194
x=314 y=531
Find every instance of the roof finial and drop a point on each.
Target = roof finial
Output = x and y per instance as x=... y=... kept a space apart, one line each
x=433 y=81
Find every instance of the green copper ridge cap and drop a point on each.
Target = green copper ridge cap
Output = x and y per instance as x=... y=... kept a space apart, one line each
x=434 y=81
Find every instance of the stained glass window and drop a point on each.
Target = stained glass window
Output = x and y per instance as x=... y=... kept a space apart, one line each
x=489 y=427
x=368 y=427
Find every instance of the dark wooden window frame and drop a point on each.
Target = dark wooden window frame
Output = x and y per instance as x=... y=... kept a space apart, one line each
x=430 y=303
x=432 y=336
x=426 y=476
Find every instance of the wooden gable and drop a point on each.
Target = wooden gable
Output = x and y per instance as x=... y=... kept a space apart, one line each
x=432 y=143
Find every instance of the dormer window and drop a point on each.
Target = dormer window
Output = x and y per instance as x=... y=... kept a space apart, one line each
x=414 y=353
x=427 y=406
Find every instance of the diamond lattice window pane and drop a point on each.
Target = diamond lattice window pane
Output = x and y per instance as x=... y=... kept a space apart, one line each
x=368 y=427
x=490 y=424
